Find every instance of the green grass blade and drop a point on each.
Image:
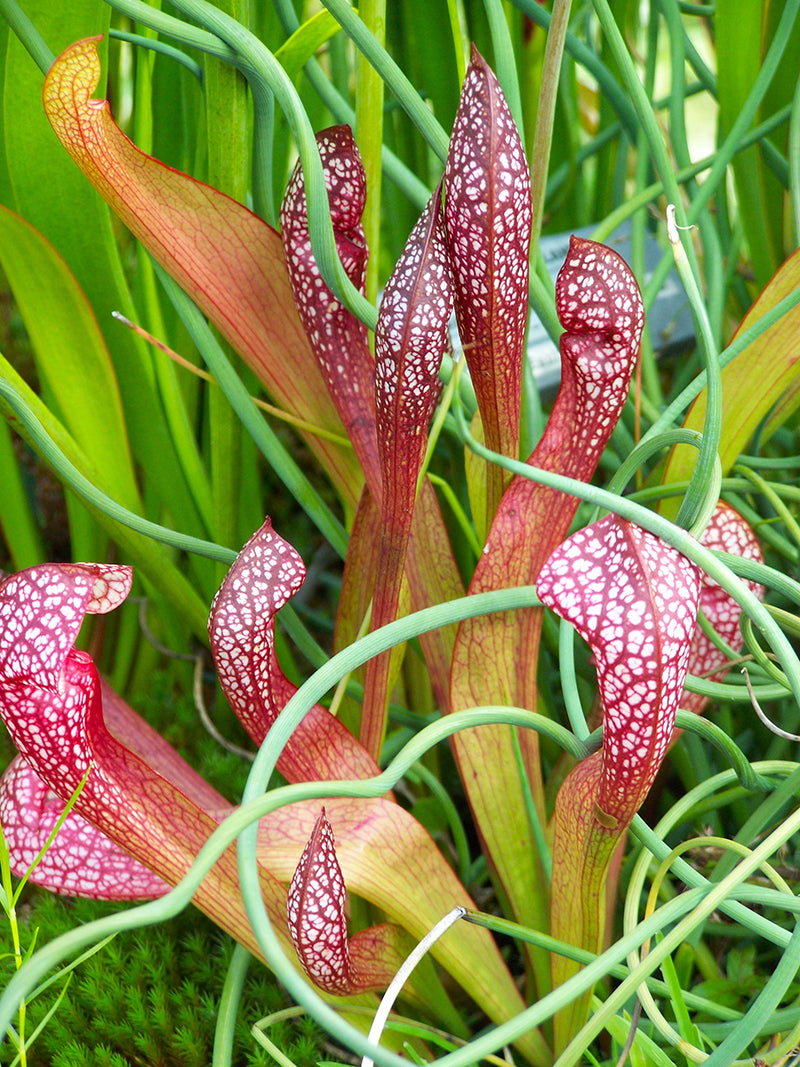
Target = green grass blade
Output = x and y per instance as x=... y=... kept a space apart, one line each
x=17 y=520
x=71 y=356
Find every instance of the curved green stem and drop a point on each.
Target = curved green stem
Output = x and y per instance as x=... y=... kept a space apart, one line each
x=715 y=897
x=28 y=34
x=402 y=176
x=649 y=447
x=369 y=136
x=229 y=1007
x=733 y=142
x=162 y=48
x=697 y=495
x=589 y=59
x=569 y=682
x=645 y=196
x=505 y=63
x=77 y=481
x=653 y=841
x=717 y=737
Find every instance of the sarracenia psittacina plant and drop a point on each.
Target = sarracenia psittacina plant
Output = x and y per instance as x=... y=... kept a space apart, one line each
x=600 y=307
x=145 y=798
x=634 y=599
x=174 y=216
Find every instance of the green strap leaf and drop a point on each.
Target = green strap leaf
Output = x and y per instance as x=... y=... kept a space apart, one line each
x=71 y=355
x=752 y=382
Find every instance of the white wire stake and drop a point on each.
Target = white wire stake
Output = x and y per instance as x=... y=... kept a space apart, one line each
x=399 y=980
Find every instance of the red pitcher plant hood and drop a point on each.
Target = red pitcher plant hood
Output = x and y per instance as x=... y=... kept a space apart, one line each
x=634 y=599
x=488 y=218
x=265 y=575
x=318 y=925
x=337 y=338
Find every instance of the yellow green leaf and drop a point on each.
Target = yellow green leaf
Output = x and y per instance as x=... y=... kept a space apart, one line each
x=753 y=381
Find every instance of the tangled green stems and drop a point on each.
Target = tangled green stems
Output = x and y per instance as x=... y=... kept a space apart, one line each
x=673 y=535
x=242 y=823
x=694 y=507
x=763 y=1007
x=717 y=896
x=261 y=771
x=668 y=439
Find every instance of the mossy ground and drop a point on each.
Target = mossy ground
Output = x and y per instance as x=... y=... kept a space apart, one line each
x=150 y=997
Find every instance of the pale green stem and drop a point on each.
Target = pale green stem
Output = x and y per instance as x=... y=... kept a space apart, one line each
x=545 y=116
x=369 y=135
x=228 y=170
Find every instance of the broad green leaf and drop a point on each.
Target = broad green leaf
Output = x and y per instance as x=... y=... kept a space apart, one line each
x=71 y=356
x=752 y=382
x=6 y=194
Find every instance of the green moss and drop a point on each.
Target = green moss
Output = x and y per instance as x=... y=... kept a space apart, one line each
x=149 y=998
